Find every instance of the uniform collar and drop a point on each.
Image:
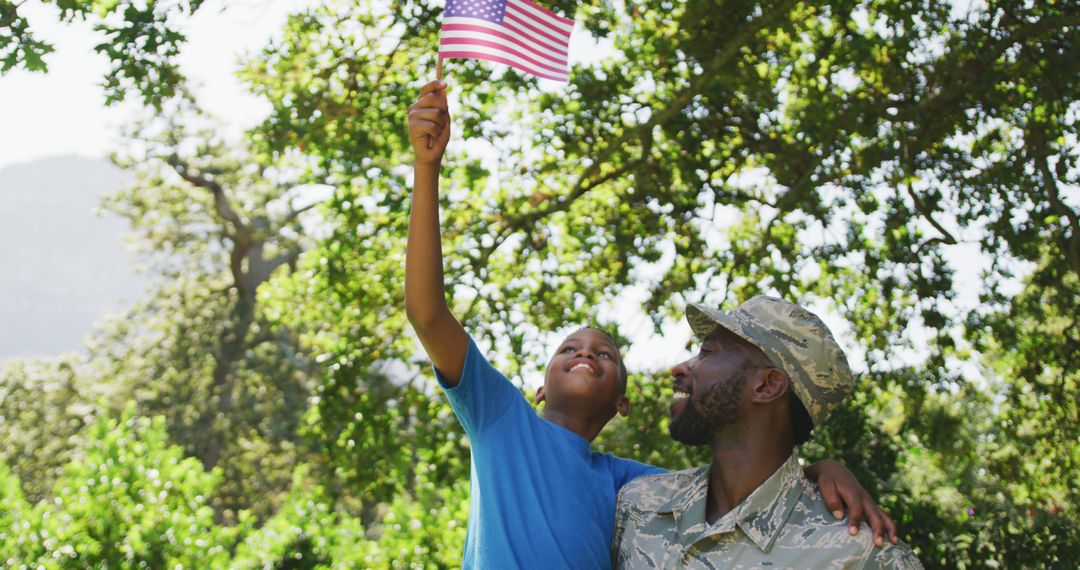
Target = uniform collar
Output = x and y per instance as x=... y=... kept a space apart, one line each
x=761 y=515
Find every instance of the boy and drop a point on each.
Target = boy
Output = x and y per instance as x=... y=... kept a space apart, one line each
x=539 y=497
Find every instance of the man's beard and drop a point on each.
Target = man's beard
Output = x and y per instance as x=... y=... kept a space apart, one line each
x=716 y=410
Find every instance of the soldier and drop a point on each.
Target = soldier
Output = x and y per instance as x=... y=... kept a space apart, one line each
x=766 y=373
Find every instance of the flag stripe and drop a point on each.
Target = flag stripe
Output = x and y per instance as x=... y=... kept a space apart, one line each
x=504 y=59
x=480 y=30
x=457 y=44
x=523 y=27
x=543 y=16
x=517 y=33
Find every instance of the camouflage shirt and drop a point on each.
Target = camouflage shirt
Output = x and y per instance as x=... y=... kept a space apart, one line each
x=784 y=523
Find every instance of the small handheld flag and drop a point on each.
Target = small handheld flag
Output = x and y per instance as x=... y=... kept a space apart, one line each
x=517 y=33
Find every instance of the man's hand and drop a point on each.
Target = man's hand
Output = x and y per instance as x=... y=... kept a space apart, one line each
x=840 y=489
x=429 y=123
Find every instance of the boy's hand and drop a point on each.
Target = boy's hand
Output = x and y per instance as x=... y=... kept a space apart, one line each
x=840 y=489
x=429 y=123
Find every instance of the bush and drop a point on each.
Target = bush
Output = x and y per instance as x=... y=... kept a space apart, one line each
x=133 y=501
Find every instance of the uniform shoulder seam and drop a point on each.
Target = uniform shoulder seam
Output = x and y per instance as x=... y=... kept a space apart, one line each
x=640 y=484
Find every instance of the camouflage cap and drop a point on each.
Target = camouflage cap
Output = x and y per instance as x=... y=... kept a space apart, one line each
x=795 y=341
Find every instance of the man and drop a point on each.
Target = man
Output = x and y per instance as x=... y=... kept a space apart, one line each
x=765 y=375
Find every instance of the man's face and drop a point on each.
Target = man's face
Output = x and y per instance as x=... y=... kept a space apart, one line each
x=585 y=366
x=709 y=388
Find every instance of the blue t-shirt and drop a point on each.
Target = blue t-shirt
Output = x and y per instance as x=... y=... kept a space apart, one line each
x=539 y=497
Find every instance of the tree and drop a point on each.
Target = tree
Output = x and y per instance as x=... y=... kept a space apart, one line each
x=141 y=41
x=231 y=379
x=156 y=513
x=17 y=522
x=44 y=406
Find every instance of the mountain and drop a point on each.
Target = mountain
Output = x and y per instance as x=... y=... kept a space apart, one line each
x=62 y=265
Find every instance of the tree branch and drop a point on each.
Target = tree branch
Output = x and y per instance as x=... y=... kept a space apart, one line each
x=221 y=202
x=957 y=77
x=292 y=215
x=1049 y=183
x=281 y=259
x=554 y=206
x=946 y=236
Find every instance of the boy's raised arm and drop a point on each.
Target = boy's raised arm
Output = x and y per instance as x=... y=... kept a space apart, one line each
x=425 y=298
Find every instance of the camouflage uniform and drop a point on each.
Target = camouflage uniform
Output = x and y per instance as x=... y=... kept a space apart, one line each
x=784 y=523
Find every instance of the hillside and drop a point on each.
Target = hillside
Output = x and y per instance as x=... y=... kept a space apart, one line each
x=62 y=265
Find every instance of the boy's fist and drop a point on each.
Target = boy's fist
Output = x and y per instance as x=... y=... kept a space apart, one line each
x=429 y=122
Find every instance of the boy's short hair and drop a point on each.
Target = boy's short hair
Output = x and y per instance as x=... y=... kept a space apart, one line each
x=623 y=375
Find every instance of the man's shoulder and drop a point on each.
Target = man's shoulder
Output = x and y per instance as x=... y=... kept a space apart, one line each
x=649 y=492
x=811 y=525
x=810 y=516
x=898 y=556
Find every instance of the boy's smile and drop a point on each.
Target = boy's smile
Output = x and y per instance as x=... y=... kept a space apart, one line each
x=584 y=364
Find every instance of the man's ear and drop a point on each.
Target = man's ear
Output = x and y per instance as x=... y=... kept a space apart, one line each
x=623 y=407
x=771 y=386
x=539 y=395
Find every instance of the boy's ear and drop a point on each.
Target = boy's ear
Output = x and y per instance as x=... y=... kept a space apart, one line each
x=539 y=395
x=623 y=407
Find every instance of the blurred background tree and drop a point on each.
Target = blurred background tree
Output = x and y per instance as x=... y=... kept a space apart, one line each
x=908 y=167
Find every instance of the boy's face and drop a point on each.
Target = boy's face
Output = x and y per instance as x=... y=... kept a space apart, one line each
x=583 y=375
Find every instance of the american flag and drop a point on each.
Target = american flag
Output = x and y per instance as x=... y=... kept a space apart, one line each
x=517 y=33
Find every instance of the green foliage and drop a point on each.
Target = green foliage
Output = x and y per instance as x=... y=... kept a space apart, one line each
x=305 y=532
x=18 y=523
x=421 y=531
x=44 y=406
x=132 y=501
x=141 y=42
x=425 y=529
x=18 y=46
